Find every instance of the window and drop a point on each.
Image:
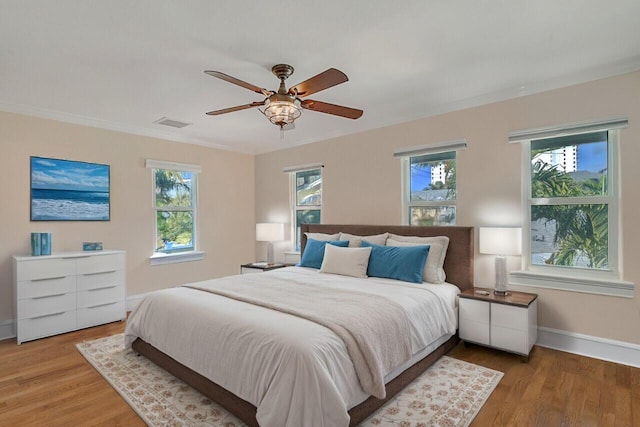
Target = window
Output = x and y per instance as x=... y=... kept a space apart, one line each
x=175 y=210
x=570 y=190
x=429 y=183
x=572 y=202
x=306 y=200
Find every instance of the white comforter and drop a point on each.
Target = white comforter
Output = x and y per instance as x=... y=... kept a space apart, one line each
x=294 y=371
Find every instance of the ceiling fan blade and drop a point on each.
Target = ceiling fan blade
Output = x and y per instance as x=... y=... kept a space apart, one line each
x=336 y=110
x=238 y=82
x=237 y=108
x=322 y=81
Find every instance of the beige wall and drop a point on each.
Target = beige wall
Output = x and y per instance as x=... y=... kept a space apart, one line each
x=362 y=184
x=226 y=202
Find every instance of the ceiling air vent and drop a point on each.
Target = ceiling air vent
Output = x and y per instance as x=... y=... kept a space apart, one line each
x=170 y=122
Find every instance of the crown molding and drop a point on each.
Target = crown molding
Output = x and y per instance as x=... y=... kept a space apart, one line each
x=76 y=119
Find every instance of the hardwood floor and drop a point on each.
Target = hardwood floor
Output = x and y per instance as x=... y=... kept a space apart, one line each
x=48 y=383
x=556 y=389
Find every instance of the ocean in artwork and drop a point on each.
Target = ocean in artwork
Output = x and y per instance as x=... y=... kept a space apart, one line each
x=67 y=190
x=55 y=205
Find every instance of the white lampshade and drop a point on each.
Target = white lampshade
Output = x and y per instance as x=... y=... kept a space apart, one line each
x=269 y=232
x=501 y=240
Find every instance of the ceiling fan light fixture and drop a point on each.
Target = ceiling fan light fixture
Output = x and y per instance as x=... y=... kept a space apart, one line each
x=282 y=113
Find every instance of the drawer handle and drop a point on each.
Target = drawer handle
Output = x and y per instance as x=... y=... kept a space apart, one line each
x=102 y=305
x=76 y=257
x=49 y=296
x=49 y=315
x=104 y=287
x=48 y=278
x=99 y=272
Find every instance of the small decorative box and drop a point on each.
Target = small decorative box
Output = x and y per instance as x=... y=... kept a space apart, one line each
x=91 y=246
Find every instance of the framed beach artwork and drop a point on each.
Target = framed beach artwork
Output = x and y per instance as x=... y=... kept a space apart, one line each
x=67 y=190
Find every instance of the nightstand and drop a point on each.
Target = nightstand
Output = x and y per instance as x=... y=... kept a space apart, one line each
x=259 y=267
x=504 y=322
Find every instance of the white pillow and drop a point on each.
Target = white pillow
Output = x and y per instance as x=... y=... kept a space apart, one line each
x=356 y=241
x=323 y=237
x=433 y=268
x=345 y=261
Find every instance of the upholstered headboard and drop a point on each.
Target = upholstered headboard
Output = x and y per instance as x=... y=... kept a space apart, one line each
x=458 y=264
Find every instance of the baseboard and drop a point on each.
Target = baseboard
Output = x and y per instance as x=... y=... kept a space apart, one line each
x=586 y=345
x=7 y=329
x=133 y=300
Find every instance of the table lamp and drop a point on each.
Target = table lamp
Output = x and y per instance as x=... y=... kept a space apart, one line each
x=501 y=241
x=269 y=232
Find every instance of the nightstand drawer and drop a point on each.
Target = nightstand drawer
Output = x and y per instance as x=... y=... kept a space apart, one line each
x=474 y=320
x=510 y=339
x=477 y=332
x=477 y=311
x=510 y=317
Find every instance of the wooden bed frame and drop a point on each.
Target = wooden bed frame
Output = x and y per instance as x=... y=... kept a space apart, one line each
x=459 y=269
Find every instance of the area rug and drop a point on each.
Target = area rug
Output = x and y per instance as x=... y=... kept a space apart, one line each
x=450 y=393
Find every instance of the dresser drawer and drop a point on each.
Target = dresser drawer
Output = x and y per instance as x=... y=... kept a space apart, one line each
x=39 y=268
x=44 y=326
x=97 y=315
x=41 y=306
x=510 y=317
x=100 y=296
x=44 y=287
x=100 y=263
x=100 y=280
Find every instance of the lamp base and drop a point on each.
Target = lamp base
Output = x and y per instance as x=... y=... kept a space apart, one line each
x=501 y=276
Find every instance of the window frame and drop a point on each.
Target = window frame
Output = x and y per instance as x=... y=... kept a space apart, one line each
x=405 y=155
x=293 y=200
x=580 y=279
x=193 y=254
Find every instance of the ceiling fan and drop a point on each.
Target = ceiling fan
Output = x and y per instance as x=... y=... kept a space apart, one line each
x=285 y=106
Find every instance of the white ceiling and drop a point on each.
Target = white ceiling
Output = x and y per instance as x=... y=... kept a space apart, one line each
x=123 y=64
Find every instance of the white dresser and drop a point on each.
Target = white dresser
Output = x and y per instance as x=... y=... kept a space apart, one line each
x=67 y=291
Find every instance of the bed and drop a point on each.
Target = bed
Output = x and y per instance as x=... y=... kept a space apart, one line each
x=321 y=386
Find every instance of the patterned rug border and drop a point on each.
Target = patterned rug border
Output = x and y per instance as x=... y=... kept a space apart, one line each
x=101 y=370
x=408 y=408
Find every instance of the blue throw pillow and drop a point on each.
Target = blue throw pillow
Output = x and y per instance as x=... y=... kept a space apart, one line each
x=314 y=252
x=404 y=263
